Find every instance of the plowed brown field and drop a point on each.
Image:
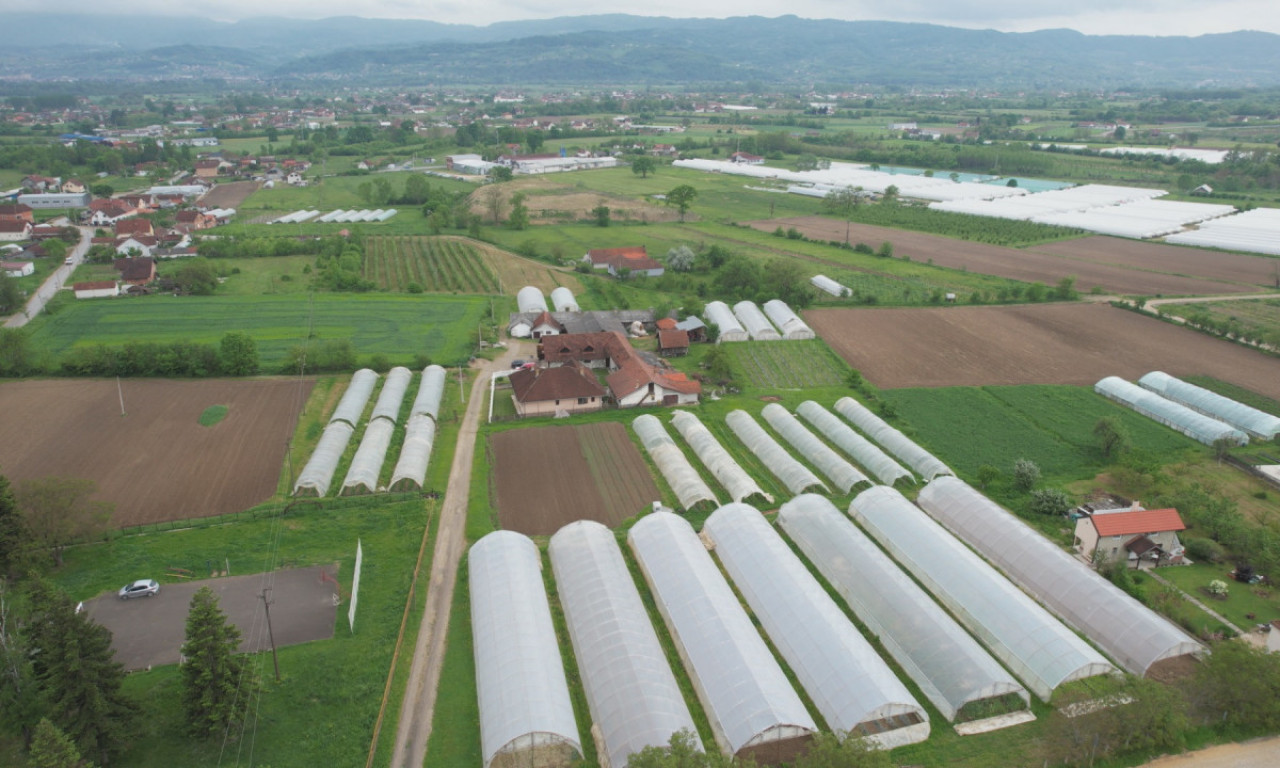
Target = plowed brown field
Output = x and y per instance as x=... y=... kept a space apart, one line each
x=547 y=477
x=157 y=463
x=1175 y=259
x=1032 y=344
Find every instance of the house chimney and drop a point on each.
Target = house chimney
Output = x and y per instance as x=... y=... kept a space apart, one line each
x=1136 y=507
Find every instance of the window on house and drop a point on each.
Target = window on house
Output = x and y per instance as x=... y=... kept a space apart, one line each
x=583 y=400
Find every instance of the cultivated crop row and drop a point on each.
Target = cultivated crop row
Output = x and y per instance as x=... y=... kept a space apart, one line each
x=786 y=364
x=433 y=264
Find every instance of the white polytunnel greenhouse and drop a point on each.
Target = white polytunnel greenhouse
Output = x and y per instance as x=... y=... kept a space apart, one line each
x=351 y=406
x=410 y=472
x=796 y=476
x=1257 y=423
x=827 y=285
x=733 y=477
x=526 y=715
x=788 y=322
x=718 y=314
x=860 y=448
x=563 y=301
x=752 y=707
x=430 y=392
x=924 y=463
x=315 y=477
x=755 y=322
x=840 y=472
x=1176 y=416
x=530 y=299
x=684 y=480
x=851 y=686
x=632 y=694
x=1034 y=645
x=362 y=475
x=936 y=652
x=1131 y=633
x=392 y=394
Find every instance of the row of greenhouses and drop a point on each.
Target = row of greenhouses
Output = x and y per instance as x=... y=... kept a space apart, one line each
x=1259 y=424
x=747 y=322
x=1175 y=415
x=1257 y=231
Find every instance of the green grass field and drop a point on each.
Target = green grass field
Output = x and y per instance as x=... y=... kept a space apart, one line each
x=787 y=364
x=436 y=265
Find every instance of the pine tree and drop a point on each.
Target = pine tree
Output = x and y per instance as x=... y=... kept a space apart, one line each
x=216 y=680
x=51 y=748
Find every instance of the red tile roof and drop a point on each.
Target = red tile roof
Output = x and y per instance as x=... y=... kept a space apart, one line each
x=1140 y=521
x=567 y=382
x=673 y=339
x=94 y=285
x=666 y=324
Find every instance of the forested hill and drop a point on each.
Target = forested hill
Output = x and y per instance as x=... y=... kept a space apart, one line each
x=620 y=49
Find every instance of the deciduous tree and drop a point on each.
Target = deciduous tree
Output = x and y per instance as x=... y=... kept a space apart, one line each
x=1111 y=437
x=239 y=354
x=643 y=165
x=844 y=203
x=682 y=198
x=830 y=750
x=1025 y=474
x=216 y=681
x=58 y=511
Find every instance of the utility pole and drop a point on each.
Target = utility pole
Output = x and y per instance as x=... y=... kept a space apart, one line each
x=266 y=604
x=120 y=392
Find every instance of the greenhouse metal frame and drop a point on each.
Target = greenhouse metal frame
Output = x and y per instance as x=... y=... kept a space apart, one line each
x=351 y=406
x=794 y=475
x=846 y=680
x=744 y=691
x=755 y=322
x=840 y=472
x=522 y=692
x=430 y=392
x=631 y=691
x=317 y=474
x=921 y=461
x=1244 y=417
x=719 y=315
x=530 y=299
x=714 y=457
x=863 y=451
x=1176 y=416
x=366 y=465
x=950 y=667
x=1130 y=632
x=1034 y=645
x=563 y=301
x=392 y=394
x=788 y=322
x=684 y=480
x=415 y=453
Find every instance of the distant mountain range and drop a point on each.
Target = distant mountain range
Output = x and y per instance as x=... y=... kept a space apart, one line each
x=619 y=49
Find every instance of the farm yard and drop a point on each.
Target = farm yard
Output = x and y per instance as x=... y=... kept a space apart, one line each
x=158 y=463
x=786 y=364
x=434 y=264
x=1044 y=344
x=546 y=477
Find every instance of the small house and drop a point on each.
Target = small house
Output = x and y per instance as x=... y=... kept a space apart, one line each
x=1132 y=535
x=673 y=343
x=18 y=268
x=571 y=388
x=96 y=289
x=13 y=231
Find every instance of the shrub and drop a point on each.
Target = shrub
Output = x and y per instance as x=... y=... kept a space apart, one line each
x=1025 y=474
x=1218 y=587
x=1049 y=501
x=1205 y=550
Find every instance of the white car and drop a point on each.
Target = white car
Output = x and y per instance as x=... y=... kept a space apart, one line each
x=139 y=588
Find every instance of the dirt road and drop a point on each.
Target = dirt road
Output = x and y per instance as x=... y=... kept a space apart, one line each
x=1259 y=753
x=418 y=706
x=53 y=283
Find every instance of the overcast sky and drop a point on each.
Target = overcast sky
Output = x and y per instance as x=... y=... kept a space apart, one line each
x=1170 y=17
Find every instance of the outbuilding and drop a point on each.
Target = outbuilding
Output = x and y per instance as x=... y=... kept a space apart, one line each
x=96 y=289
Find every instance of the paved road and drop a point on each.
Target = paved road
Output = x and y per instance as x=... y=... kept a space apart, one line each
x=52 y=284
x=418 y=705
x=1259 y=753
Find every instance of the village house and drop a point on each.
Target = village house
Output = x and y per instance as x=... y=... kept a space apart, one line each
x=673 y=343
x=133 y=228
x=18 y=268
x=136 y=271
x=633 y=380
x=746 y=158
x=1132 y=535
x=192 y=220
x=16 y=212
x=95 y=289
x=14 y=231
x=634 y=260
x=207 y=169
x=542 y=391
x=104 y=213
x=73 y=187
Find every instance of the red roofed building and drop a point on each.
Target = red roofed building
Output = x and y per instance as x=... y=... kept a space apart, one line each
x=568 y=388
x=134 y=228
x=673 y=343
x=634 y=381
x=634 y=259
x=1133 y=535
x=16 y=212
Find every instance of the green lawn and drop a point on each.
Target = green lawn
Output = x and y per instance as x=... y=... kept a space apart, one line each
x=1242 y=599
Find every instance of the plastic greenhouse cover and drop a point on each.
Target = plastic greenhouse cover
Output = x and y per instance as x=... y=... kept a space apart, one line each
x=848 y=683
x=745 y=692
x=841 y=473
x=1133 y=634
x=680 y=474
x=318 y=472
x=631 y=691
x=430 y=392
x=861 y=449
x=948 y=665
x=1255 y=422
x=563 y=301
x=796 y=476
x=389 y=399
x=788 y=322
x=530 y=299
x=924 y=463
x=1194 y=425
x=1038 y=648
x=728 y=472
x=520 y=681
x=718 y=314
x=827 y=285
x=415 y=452
x=367 y=463
x=351 y=406
x=755 y=322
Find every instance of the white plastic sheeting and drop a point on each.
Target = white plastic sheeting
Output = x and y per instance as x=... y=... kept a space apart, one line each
x=351 y=406
x=366 y=465
x=1257 y=231
x=841 y=473
x=788 y=322
x=680 y=474
x=924 y=463
x=318 y=472
x=796 y=476
x=827 y=285
x=745 y=693
x=430 y=391
x=1139 y=219
x=1131 y=633
x=1082 y=198
x=631 y=691
x=1176 y=416
x=415 y=454
x=530 y=299
x=755 y=322
x=520 y=683
x=1257 y=423
x=948 y=665
x=863 y=451
x=850 y=685
x=718 y=314
x=728 y=472
x=563 y=301
x=389 y=399
x=1035 y=646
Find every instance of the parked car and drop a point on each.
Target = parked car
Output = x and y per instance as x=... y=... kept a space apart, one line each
x=140 y=588
x=517 y=364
